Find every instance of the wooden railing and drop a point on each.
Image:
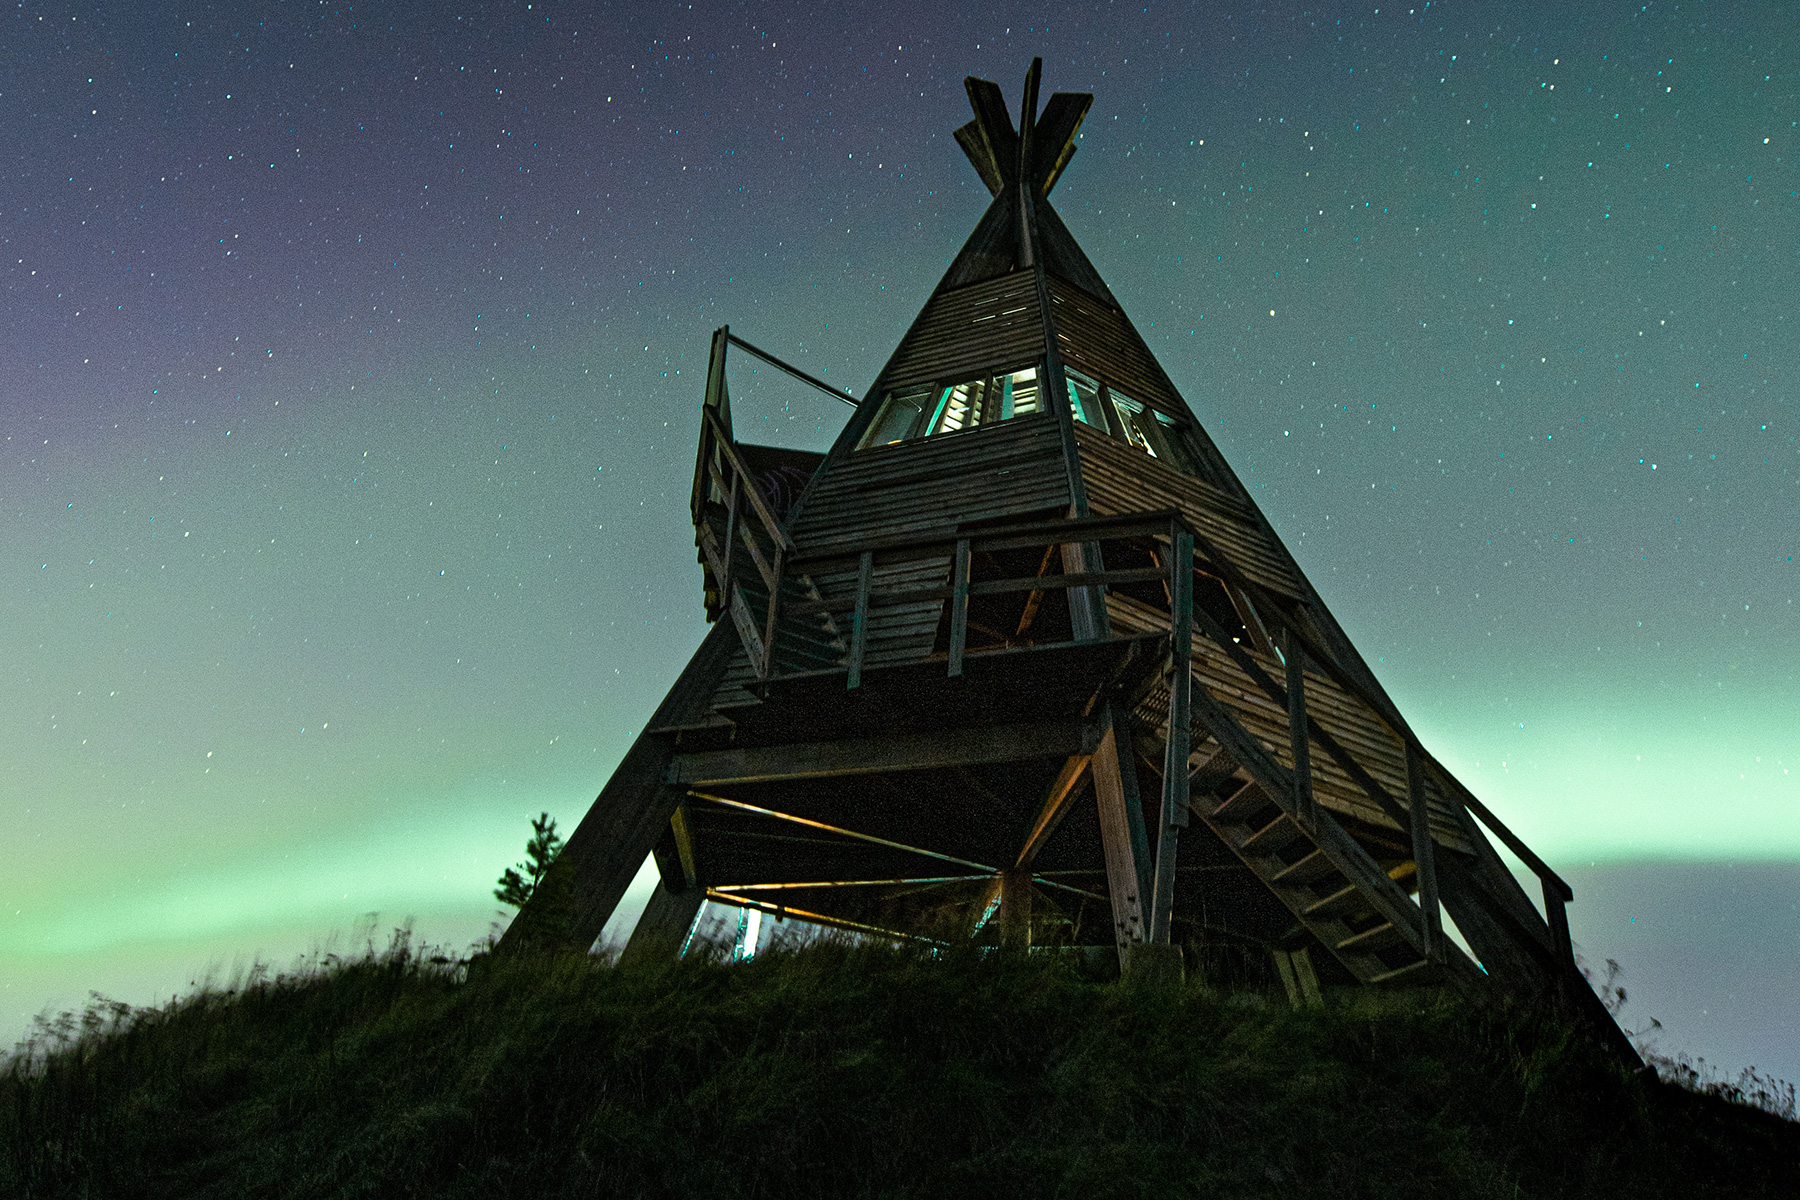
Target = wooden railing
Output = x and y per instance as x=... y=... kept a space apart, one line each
x=763 y=538
x=721 y=476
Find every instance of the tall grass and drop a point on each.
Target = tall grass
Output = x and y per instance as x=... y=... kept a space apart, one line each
x=841 y=1071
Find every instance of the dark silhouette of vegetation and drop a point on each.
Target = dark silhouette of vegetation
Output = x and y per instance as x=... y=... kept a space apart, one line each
x=540 y=853
x=843 y=1071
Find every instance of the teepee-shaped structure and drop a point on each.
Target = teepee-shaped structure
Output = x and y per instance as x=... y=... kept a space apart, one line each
x=1020 y=659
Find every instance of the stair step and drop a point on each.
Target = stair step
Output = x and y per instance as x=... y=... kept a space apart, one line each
x=1239 y=804
x=1334 y=900
x=1296 y=872
x=1364 y=942
x=1397 y=972
x=1276 y=833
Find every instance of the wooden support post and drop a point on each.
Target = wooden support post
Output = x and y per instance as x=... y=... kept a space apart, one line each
x=1087 y=605
x=1557 y=915
x=1056 y=803
x=959 y=607
x=1299 y=742
x=1424 y=855
x=1121 y=834
x=663 y=929
x=1175 y=754
x=731 y=527
x=774 y=614
x=1015 y=908
x=859 y=621
x=1307 y=978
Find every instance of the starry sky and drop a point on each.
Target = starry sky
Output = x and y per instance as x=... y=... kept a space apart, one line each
x=351 y=355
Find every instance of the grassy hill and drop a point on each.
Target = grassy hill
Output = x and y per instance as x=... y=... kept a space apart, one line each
x=842 y=1072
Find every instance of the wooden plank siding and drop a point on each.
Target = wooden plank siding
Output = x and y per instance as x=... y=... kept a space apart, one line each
x=1014 y=468
x=966 y=331
x=1355 y=727
x=1122 y=479
x=897 y=633
x=1096 y=339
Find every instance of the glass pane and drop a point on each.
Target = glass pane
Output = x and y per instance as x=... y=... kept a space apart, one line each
x=1174 y=442
x=959 y=407
x=1020 y=397
x=899 y=417
x=1084 y=399
x=1134 y=423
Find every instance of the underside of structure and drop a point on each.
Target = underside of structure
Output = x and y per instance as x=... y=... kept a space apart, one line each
x=1019 y=660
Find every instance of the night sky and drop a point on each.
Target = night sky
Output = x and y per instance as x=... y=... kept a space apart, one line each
x=351 y=355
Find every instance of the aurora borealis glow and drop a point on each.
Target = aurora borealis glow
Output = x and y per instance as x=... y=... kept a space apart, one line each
x=351 y=353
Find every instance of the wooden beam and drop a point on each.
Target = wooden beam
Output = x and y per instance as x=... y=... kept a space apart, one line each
x=1176 y=738
x=1115 y=791
x=714 y=397
x=1037 y=594
x=684 y=844
x=1015 y=908
x=1053 y=139
x=1557 y=915
x=859 y=622
x=1027 y=123
x=899 y=752
x=980 y=157
x=1424 y=854
x=773 y=616
x=994 y=125
x=785 y=912
x=846 y=883
x=959 y=607
x=1293 y=655
x=773 y=814
x=731 y=531
x=663 y=928
x=1063 y=789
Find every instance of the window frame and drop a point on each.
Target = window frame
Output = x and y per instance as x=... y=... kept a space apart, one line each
x=936 y=394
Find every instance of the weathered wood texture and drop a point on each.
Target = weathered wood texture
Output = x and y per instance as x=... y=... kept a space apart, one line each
x=1013 y=468
x=903 y=752
x=1096 y=338
x=965 y=331
x=1121 y=479
x=1125 y=841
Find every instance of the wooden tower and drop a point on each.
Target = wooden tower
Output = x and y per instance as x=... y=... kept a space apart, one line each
x=1019 y=659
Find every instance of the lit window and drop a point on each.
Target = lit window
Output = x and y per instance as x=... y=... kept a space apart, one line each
x=1019 y=394
x=959 y=407
x=931 y=409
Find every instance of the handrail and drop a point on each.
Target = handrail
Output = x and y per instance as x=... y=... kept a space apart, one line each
x=751 y=493
x=1557 y=892
x=1514 y=843
x=1008 y=537
x=796 y=372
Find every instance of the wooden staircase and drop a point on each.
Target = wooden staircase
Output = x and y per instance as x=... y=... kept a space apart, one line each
x=1325 y=878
